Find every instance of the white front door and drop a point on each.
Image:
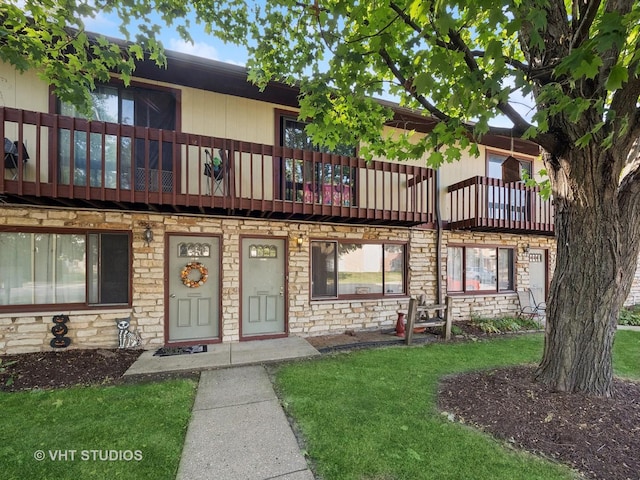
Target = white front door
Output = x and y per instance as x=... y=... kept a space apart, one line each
x=538 y=274
x=263 y=286
x=194 y=302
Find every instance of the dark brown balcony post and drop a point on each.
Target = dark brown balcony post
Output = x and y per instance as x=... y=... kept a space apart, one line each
x=37 y=154
x=54 y=176
x=231 y=186
x=21 y=158
x=263 y=180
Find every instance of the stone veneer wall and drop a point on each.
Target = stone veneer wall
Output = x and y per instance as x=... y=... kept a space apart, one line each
x=95 y=328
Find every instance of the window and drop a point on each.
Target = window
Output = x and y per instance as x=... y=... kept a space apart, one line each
x=480 y=269
x=341 y=269
x=128 y=106
x=64 y=268
x=495 y=161
x=507 y=203
x=315 y=182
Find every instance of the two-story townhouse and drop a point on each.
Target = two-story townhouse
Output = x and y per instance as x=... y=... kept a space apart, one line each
x=196 y=205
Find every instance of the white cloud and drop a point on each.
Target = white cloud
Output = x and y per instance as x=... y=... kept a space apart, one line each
x=199 y=49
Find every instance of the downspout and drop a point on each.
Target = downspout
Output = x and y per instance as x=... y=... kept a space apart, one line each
x=438 y=239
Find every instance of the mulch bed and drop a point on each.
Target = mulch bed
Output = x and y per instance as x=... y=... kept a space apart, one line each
x=599 y=437
x=65 y=368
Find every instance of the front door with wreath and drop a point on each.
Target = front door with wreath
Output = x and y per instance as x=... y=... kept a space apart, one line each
x=194 y=288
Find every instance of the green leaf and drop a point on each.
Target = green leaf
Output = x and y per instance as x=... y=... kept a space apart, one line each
x=617 y=76
x=589 y=67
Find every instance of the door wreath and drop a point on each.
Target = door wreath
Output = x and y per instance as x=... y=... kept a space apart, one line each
x=184 y=274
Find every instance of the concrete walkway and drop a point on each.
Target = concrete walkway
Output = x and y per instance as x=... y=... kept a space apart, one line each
x=238 y=430
x=225 y=355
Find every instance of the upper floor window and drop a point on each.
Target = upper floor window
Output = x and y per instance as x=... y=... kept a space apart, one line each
x=480 y=269
x=495 y=161
x=324 y=182
x=352 y=270
x=70 y=269
x=112 y=103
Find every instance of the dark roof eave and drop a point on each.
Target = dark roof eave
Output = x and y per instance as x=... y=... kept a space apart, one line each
x=197 y=72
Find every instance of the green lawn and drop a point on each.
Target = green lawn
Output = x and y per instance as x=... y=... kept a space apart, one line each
x=136 y=431
x=372 y=414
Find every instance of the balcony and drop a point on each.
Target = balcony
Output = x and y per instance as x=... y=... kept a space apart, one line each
x=489 y=204
x=78 y=163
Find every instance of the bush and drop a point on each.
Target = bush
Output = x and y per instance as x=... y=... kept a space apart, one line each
x=504 y=324
x=456 y=330
x=630 y=316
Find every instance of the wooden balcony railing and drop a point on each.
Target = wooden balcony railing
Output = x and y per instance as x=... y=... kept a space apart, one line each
x=74 y=162
x=489 y=204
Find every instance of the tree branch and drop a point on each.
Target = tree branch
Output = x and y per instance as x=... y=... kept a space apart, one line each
x=520 y=124
x=584 y=19
x=457 y=44
x=408 y=86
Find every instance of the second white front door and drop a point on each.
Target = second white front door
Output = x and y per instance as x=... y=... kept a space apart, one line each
x=263 y=287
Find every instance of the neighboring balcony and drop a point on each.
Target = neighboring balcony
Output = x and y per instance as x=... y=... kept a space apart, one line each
x=73 y=162
x=489 y=204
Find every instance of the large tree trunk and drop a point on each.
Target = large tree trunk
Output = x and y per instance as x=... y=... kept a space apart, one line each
x=597 y=251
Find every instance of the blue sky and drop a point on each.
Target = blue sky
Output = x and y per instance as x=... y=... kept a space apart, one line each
x=204 y=45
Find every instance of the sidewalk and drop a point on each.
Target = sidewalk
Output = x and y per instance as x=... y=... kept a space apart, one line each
x=238 y=430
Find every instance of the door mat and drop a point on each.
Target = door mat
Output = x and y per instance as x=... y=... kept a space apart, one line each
x=168 y=351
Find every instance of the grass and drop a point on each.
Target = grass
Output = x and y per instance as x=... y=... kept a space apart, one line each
x=145 y=424
x=373 y=414
x=626 y=354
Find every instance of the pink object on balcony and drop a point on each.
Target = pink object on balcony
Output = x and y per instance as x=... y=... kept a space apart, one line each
x=336 y=195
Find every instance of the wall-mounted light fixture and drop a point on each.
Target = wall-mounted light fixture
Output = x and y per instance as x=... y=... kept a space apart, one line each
x=527 y=248
x=299 y=242
x=147 y=235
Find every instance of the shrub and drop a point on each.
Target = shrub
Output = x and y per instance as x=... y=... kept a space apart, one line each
x=504 y=324
x=630 y=316
x=456 y=330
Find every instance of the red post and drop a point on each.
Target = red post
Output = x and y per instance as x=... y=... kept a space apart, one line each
x=400 y=324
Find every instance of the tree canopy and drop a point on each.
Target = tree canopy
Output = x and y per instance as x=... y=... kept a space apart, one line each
x=462 y=63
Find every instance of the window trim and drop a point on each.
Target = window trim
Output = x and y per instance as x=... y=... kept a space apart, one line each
x=370 y=296
x=497 y=291
x=74 y=306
